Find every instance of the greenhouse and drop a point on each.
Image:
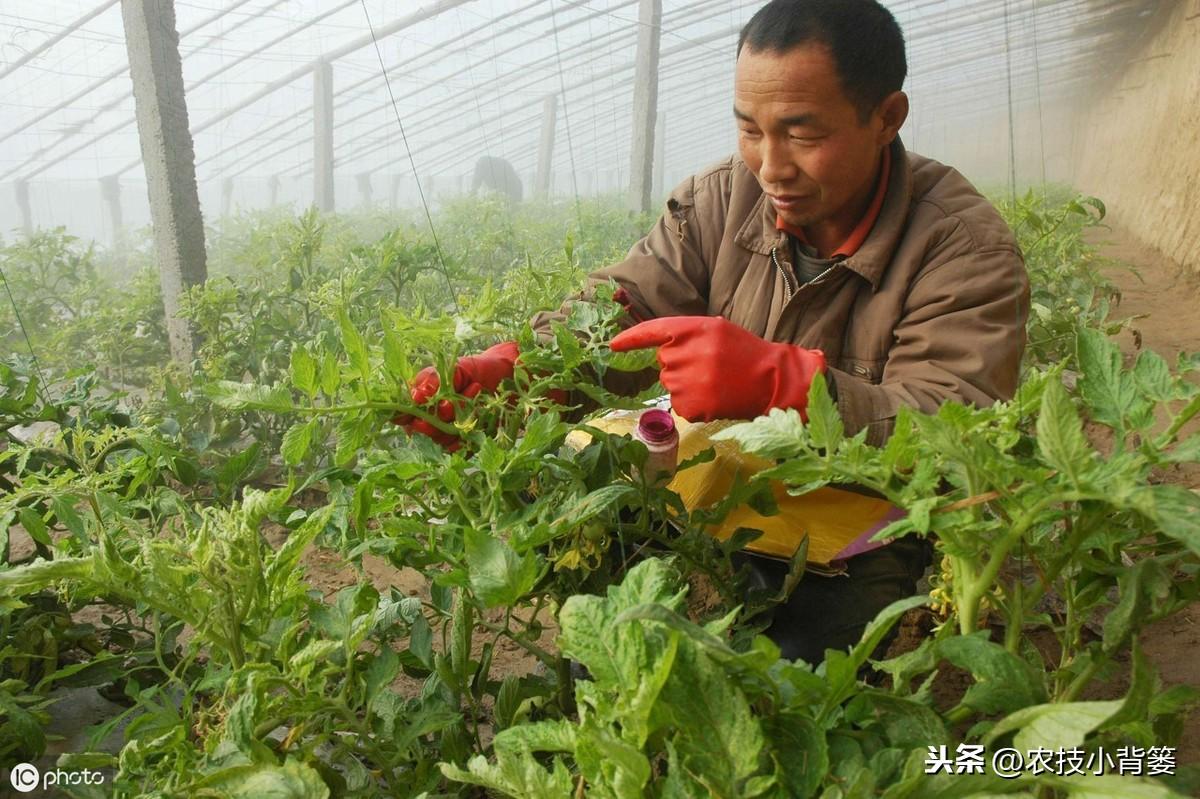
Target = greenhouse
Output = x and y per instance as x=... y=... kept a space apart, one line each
x=600 y=398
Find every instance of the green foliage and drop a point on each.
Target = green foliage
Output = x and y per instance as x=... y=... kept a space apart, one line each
x=1069 y=291
x=185 y=520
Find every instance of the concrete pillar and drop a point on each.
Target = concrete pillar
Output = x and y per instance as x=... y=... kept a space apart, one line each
x=660 y=157
x=273 y=188
x=110 y=192
x=323 y=194
x=645 y=104
x=227 y=196
x=546 y=146
x=22 y=187
x=169 y=159
x=364 y=188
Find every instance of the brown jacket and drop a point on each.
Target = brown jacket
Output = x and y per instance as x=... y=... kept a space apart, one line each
x=931 y=308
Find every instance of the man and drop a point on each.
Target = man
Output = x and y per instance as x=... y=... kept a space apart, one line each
x=822 y=247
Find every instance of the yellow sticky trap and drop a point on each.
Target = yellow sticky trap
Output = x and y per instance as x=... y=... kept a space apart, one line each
x=838 y=523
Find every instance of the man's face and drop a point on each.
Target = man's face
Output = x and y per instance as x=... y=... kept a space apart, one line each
x=803 y=138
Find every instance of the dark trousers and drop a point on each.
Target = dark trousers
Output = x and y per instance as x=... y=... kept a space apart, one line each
x=831 y=612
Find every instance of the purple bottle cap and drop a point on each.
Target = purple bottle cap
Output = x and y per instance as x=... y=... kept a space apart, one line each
x=656 y=427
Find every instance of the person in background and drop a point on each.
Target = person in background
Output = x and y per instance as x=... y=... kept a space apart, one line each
x=497 y=175
x=822 y=247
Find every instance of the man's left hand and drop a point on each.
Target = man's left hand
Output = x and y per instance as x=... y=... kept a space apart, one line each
x=714 y=369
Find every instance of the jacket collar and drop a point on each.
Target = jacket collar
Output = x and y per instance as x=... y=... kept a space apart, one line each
x=759 y=234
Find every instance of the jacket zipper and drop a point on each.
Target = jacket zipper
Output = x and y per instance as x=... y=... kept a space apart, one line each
x=787 y=281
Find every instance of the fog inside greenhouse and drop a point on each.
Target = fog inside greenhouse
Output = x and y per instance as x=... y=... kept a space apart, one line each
x=993 y=86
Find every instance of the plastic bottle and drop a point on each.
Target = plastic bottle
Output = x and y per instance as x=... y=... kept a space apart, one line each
x=656 y=429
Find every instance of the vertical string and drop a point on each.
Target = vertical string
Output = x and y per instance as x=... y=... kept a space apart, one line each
x=1037 y=77
x=1012 y=151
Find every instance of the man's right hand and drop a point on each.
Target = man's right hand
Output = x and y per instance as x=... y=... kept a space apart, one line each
x=473 y=374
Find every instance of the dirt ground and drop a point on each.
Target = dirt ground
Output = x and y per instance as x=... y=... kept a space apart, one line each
x=1168 y=298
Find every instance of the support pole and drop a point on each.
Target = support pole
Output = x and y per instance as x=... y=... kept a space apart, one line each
x=660 y=156
x=395 y=197
x=645 y=104
x=110 y=191
x=169 y=159
x=273 y=188
x=22 y=188
x=323 y=196
x=546 y=146
x=227 y=196
x=364 y=188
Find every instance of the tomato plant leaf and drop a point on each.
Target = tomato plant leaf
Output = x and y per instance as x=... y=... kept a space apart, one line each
x=1060 y=437
x=499 y=576
x=1109 y=390
x=780 y=434
x=1003 y=681
x=1053 y=726
x=356 y=348
x=304 y=370
x=297 y=440
x=824 y=424
x=292 y=780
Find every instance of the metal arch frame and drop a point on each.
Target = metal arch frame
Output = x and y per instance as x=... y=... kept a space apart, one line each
x=1073 y=47
x=525 y=70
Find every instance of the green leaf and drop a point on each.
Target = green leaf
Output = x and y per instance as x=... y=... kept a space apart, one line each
x=1153 y=376
x=1186 y=451
x=594 y=504
x=824 y=424
x=242 y=719
x=313 y=653
x=569 y=347
x=292 y=780
x=33 y=523
x=249 y=396
x=1003 y=681
x=63 y=508
x=499 y=576
x=1136 y=587
x=304 y=370
x=508 y=700
x=612 y=766
x=1060 y=439
x=1053 y=726
x=395 y=355
x=355 y=348
x=297 y=440
x=331 y=374
x=1176 y=510
x=799 y=751
x=719 y=740
x=41 y=574
x=633 y=361
x=1108 y=389
x=462 y=628
x=778 y=435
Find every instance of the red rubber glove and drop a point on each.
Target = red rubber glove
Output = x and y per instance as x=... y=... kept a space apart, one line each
x=472 y=374
x=714 y=369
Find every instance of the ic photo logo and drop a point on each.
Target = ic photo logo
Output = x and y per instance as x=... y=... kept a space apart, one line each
x=24 y=777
